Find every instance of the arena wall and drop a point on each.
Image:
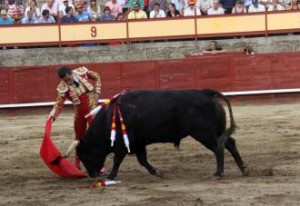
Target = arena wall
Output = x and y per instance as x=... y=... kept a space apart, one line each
x=224 y=72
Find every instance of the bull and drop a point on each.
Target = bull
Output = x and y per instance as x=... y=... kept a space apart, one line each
x=160 y=117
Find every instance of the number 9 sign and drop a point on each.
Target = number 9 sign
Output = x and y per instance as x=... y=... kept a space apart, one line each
x=93 y=31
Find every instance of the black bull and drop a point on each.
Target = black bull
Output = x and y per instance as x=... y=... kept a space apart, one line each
x=160 y=116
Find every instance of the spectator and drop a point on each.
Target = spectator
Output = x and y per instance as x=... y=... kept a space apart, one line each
x=4 y=19
x=294 y=5
x=63 y=6
x=94 y=10
x=173 y=12
x=107 y=16
x=32 y=6
x=30 y=18
x=204 y=5
x=46 y=18
x=115 y=7
x=214 y=48
x=82 y=16
x=239 y=8
x=16 y=11
x=247 y=49
x=180 y=5
x=266 y=3
x=285 y=3
x=137 y=13
x=256 y=7
x=125 y=5
x=275 y=6
x=52 y=7
x=163 y=5
x=69 y=17
x=216 y=9
x=157 y=12
x=227 y=5
x=191 y=10
x=132 y=3
x=247 y=4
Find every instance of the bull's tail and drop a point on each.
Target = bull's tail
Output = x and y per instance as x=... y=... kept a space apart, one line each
x=228 y=132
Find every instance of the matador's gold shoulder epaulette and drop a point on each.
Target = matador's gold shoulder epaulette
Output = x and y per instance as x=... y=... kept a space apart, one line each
x=81 y=70
x=62 y=87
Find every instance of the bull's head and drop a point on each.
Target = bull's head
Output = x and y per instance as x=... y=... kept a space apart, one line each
x=89 y=156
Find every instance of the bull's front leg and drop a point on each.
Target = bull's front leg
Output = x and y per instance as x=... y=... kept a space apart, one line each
x=141 y=155
x=118 y=158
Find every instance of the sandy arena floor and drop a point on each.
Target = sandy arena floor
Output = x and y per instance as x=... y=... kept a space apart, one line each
x=268 y=140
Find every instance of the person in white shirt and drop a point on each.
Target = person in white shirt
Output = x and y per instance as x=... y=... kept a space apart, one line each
x=191 y=10
x=275 y=6
x=256 y=7
x=32 y=6
x=63 y=6
x=157 y=12
x=51 y=6
x=204 y=5
x=216 y=9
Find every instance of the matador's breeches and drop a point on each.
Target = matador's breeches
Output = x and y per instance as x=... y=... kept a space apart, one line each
x=87 y=103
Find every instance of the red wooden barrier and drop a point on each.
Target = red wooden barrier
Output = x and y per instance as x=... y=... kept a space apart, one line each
x=224 y=72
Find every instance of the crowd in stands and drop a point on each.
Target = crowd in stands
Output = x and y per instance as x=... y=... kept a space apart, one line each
x=52 y=11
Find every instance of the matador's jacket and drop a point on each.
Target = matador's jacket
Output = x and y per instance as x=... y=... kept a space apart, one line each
x=82 y=95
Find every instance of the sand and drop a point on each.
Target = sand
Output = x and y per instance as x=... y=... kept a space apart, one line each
x=268 y=141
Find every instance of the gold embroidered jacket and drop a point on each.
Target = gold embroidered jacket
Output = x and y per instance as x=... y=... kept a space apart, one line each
x=71 y=92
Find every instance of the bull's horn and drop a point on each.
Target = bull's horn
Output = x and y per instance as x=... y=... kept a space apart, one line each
x=74 y=144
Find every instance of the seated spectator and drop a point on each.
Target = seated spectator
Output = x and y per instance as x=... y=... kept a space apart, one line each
x=4 y=19
x=157 y=12
x=256 y=7
x=163 y=5
x=52 y=7
x=63 y=6
x=69 y=17
x=266 y=3
x=125 y=5
x=285 y=3
x=216 y=9
x=204 y=5
x=32 y=6
x=46 y=18
x=16 y=11
x=82 y=16
x=94 y=10
x=214 y=48
x=137 y=13
x=275 y=6
x=180 y=5
x=191 y=10
x=107 y=16
x=294 y=5
x=30 y=18
x=239 y=8
x=115 y=7
x=172 y=12
x=132 y=3
x=247 y=4
x=247 y=49
x=227 y=5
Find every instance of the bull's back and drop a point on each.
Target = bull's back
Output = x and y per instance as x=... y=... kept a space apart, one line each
x=163 y=116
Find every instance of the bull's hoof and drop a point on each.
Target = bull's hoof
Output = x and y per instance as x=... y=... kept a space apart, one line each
x=159 y=173
x=245 y=171
x=217 y=177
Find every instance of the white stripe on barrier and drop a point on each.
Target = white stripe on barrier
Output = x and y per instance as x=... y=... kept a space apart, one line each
x=241 y=93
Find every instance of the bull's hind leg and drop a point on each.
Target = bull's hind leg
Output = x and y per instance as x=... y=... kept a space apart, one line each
x=210 y=142
x=231 y=147
x=141 y=155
